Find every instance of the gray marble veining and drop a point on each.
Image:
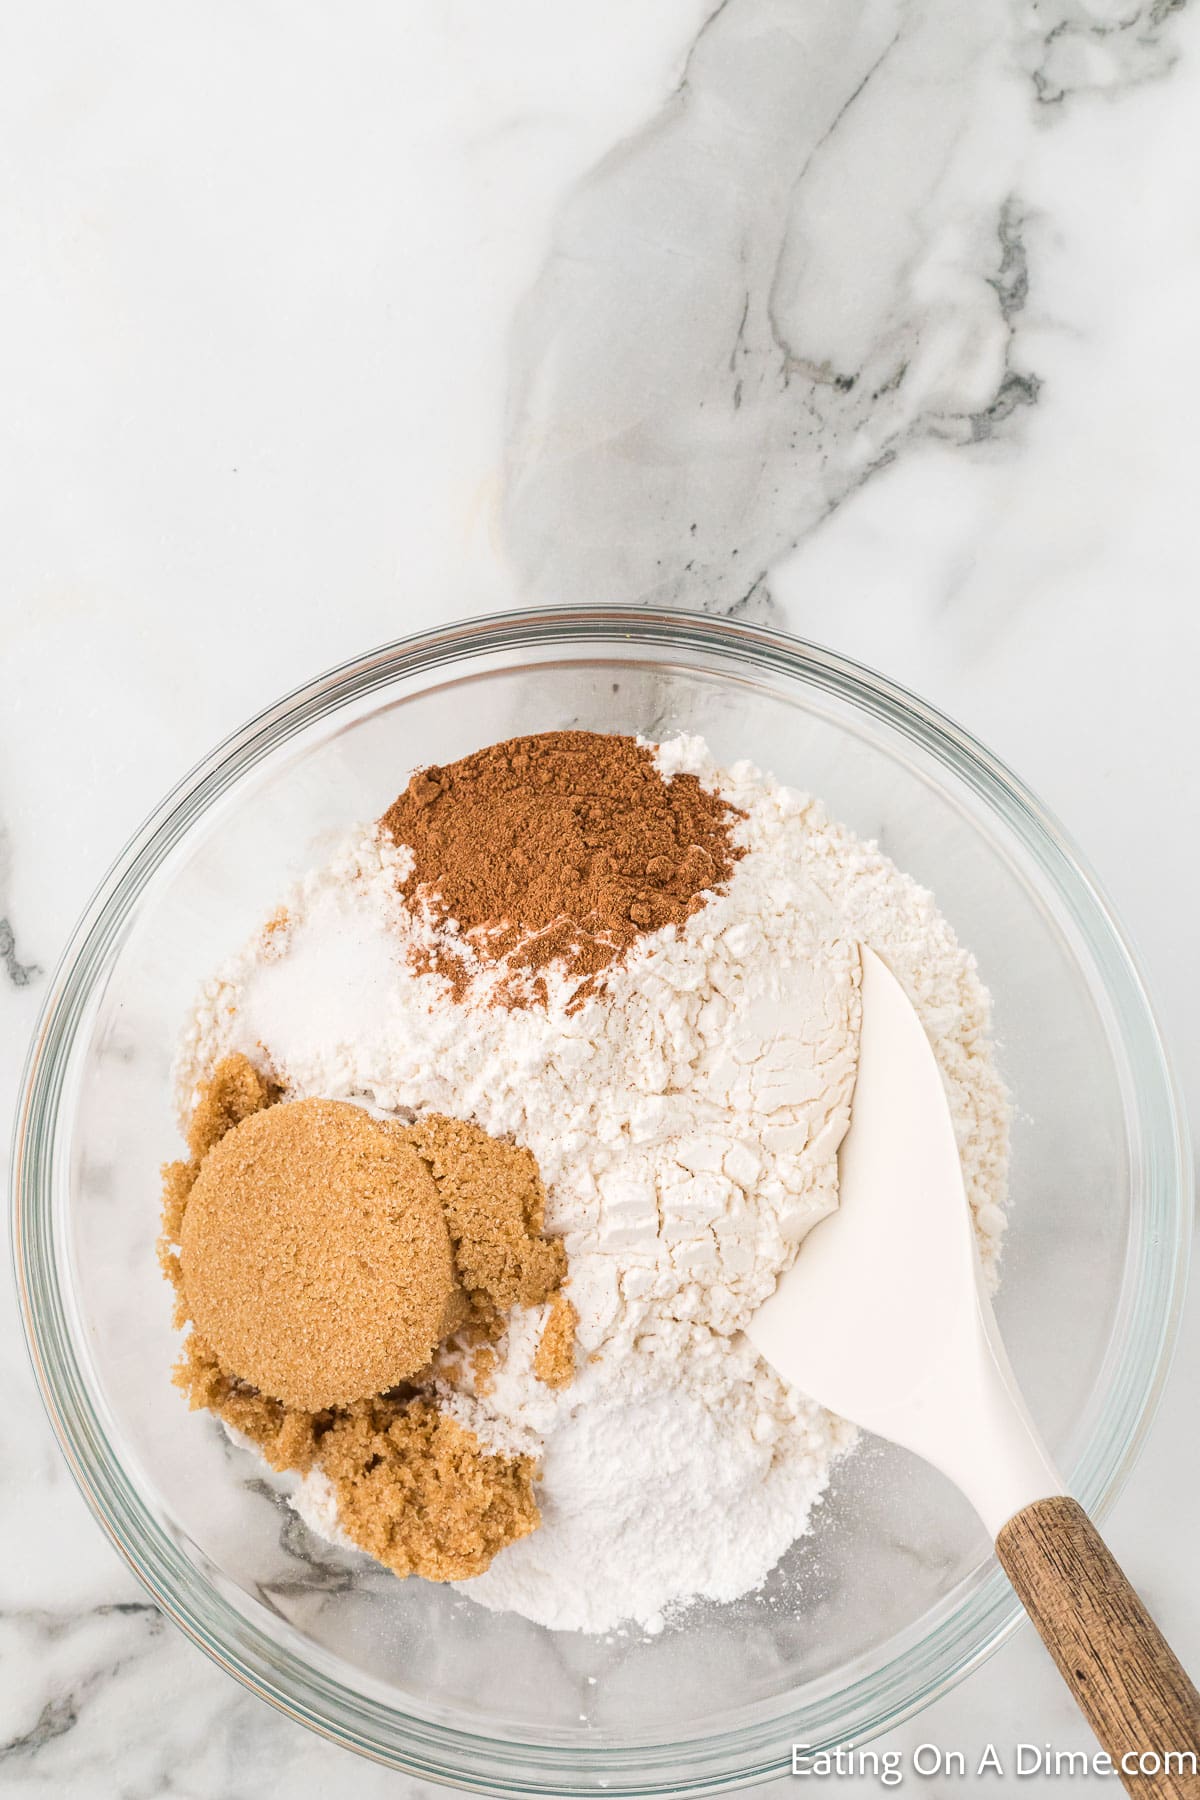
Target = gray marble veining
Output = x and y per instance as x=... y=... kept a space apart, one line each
x=811 y=261
x=1095 y=46
x=18 y=972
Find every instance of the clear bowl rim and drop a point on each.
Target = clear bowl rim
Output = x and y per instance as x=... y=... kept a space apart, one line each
x=968 y=1633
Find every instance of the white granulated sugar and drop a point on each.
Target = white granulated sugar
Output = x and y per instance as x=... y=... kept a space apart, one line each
x=686 y=1122
x=682 y=1469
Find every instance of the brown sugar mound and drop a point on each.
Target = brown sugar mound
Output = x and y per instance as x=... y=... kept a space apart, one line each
x=235 y=1092
x=554 y=1359
x=287 y=1436
x=562 y=849
x=495 y=1207
x=414 y=1488
x=315 y=1240
x=418 y=1492
x=315 y=1255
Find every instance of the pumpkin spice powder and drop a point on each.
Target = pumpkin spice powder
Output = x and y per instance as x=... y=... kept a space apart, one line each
x=564 y=849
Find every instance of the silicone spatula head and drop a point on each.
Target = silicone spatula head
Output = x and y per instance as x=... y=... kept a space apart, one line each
x=883 y=1317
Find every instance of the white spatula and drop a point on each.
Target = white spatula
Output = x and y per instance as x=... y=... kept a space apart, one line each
x=884 y=1319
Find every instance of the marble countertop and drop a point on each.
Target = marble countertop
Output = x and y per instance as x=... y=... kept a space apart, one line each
x=871 y=317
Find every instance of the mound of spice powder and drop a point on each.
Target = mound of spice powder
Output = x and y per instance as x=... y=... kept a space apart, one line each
x=561 y=849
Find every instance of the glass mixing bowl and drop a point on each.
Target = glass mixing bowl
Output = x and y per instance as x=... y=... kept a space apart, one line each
x=894 y=1595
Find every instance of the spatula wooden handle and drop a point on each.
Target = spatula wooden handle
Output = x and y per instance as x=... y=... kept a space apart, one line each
x=1129 y=1685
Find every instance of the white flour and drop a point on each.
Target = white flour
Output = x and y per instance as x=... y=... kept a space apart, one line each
x=686 y=1123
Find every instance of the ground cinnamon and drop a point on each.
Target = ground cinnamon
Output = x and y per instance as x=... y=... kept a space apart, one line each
x=564 y=848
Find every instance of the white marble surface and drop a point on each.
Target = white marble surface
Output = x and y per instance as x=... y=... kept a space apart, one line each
x=319 y=324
